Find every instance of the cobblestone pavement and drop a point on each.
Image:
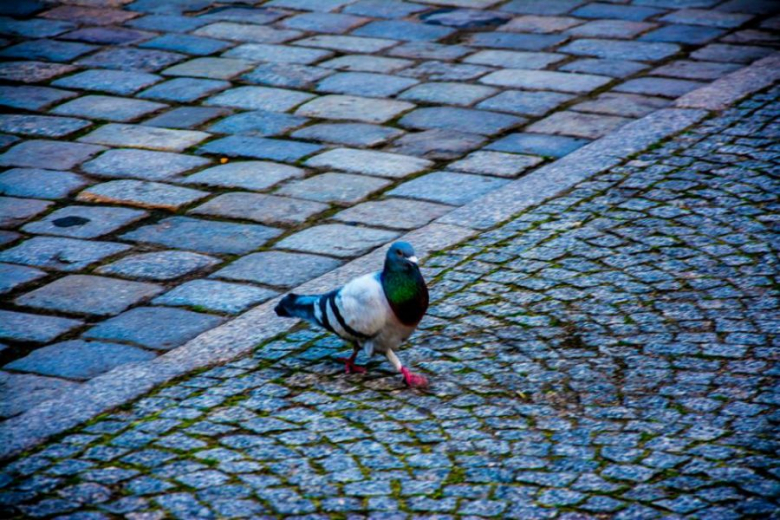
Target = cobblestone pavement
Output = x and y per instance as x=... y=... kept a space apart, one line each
x=180 y=161
x=609 y=354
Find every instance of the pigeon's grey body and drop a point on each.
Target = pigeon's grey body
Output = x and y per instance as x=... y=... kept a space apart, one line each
x=376 y=312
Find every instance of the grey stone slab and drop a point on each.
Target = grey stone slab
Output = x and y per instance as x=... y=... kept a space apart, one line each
x=393 y=213
x=438 y=144
x=663 y=87
x=85 y=221
x=337 y=240
x=625 y=105
x=32 y=71
x=62 y=254
x=447 y=93
x=339 y=188
x=364 y=63
x=79 y=359
x=525 y=102
x=86 y=294
x=246 y=33
x=260 y=98
x=277 y=268
x=267 y=209
x=35 y=328
x=286 y=75
x=443 y=71
x=143 y=194
x=354 y=108
x=277 y=53
x=347 y=43
x=260 y=148
x=383 y=8
x=350 y=134
x=623 y=29
x=41 y=126
x=161 y=265
x=621 y=50
x=726 y=53
x=514 y=59
x=576 y=124
x=258 y=122
x=684 y=34
x=366 y=84
x=158 y=328
x=47 y=50
x=551 y=7
x=139 y=136
x=130 y=58
x=460 y=120
x=429 y=51
x=32 y=97
x=142 y=164
x=403 y=30
x=54 y=155
x=612 y=68
x=706 y=17
x=516 y=41
x=496 y=163
x=187 y=117
x=204 y=235
x=537 y=144
x=369 y=162
x=324 y=22
x=546 y=80
x=14 y=276
x=15 y=211
x=184 y=90
x=540 y=24
x=212 y=68
x=701 y=70
x=108 y=108
x=215 y=296
x=120 y=82
x=450 y=188
x=250 y=175
x=23 y=391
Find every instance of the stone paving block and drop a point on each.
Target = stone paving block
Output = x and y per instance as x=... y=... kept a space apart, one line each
x=551 y=7
x=260 y=148
x=79 y=359
x=277 y=53
x=187 y=44
x=48 y=154
x=47 y=50
x=142 y=164
x=88 y=15
x=82 y=294
x=143 y=194
x=706 y=17
x=339 y=188
x=120 y=82
x=364 y=84
x=139 y=136
x=354 y=108
x=612 y=68
x=616 y=12
x=538 y=144
x=129 y=58
x=15 y=211
x=41 y=126
x=211 y=295
x=277 y=268
x=184 y=90
x=514 y=59
x=249 y=175
x=447 y=93
x=730 y=53
x=525 y=103
x=8 y=140
x=496 y=163
x=84 y=221
x=260 y=98
x=19 y=326
x=108 y=108
x=363 y=63
x=686 y=34
x=626 y=105
x=393 y=213
x=337 y=240
x=350 y=134
x=286 y=75
x=310 y=5
x=540 y=24
x=32 y=71
x=611 y=29
x=381 y=164
x=466 y=18
x=267 y=209
x=23 y=8
x=213 y=68
x=576 y=124
x=32 y=98
x=702 y=70
x=403 y=30
x=204 y=235
x=108 y=35
x=460 y=120
x=324 y=22
x=438 y=144
x=158 y=328
x=621 y=50
x=450 y=188
x=383 y=8
x=546 y=80
x=187 y=118
x=259 y=122
x=35 y=28
x=659 y=86
x=429 y=51
x=240 y=32
x=23 y=391
x=62 y=254
x=243 y=15
x=347 y=44
x=442 y=71
x=14 y=276
x=516 y=41
x=161 y=265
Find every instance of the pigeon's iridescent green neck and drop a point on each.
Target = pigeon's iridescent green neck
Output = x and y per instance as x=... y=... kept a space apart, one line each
x=406 y=292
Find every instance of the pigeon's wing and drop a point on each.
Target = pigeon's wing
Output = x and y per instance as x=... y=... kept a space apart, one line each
x=358 y=311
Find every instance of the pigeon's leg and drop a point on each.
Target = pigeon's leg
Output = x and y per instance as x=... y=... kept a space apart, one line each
x=349 y=363
x=413 y=380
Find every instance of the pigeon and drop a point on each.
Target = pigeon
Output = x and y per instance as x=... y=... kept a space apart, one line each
x=375 y=312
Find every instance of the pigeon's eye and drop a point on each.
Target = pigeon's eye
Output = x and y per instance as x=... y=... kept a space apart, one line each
x=400 y=253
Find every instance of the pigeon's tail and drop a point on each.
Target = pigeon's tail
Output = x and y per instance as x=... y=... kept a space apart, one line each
x=297 y=306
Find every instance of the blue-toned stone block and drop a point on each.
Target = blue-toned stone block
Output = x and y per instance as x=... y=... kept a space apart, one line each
x=259 y=122
x=515 y=41
x=365 y=84
x=55 y=155
x=115 y=81
x=538 y=144
x=450 y=188
x=351 y=134
x=13 y=276
x=259 y=148
x=323 y=22
x=216 y=296
x=187 y=117
x=403 y=30
x=20 y=326
x=187 y=44
x=285 y=75
x=41 y=126
x=32 y=98
x=84 y=221
x=108 y=108
x=184 y=90
x=130 y=58
x=48 y=50
x=161 y=265
x=142 y=164
x=62 y=254
x=460 y=119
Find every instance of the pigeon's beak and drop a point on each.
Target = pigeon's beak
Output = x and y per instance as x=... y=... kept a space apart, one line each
x=413 y=259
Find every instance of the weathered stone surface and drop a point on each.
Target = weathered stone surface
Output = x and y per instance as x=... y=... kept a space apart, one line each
x=525 y=103
x=13 y=276
x=39 y=183
x=48 y=154
x=447 y=187
x=354 y=108
x=23 y=391
x=32 y=71
x=63 y=254
x=350 y=134
x=260 y=122
x=545 y=80
x=438 y=144
x=120 y=82
x=163 y=265
x=496 y=163
x=142 y=194
x=447 y=93
x=537 y=144
x=85 y=221
x=260 y=148
x=393 y=213
x=213 y=68
x=279 y=269
x=337 y=240
x=216 y=296
x=15 y=211
x=249 y=175
x=339 y=188
x=575 y=124
x=108 y=108
x=142 y=164
x=625 y=105
x=41 y=126
x=32 y=97
x=260 y=98
x=184 y=90
x=20 y=326
x=369 y=162
x=266 y=209
x=138 y=136
x=460 y=120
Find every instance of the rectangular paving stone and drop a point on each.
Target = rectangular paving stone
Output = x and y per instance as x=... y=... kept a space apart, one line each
x=622 y=29
x=62 y=254
x=540 y=24
x=383 y=8
x=447 y=93
x=381 y=164
x=514 y=59
x=622 y=50
x=260 y=148
x=537 y=144
x=576 y=124
x=143 y=194
x=339 y=188
x=47 y=50
x=364 y=84
x=32 y=97
x=24 y=391
x=354 y=108
x=364 y=63
x=53 y=155
x=546 y=80
x=244 y=14
x=659 y=86
x=393 y=213
x=617 y=12
x=142 y=164
x=14 y=276
x=246 y=33
x=260 y=98
x=120 y=82
x=701 y=70
x=89 y=15
x=286 y=75
x=626 y=105
x=550 y=7
x=160 y=265
x=36 y=27
x=79 y=359
x=310 y=5
x=15 y=211
x=187 y=44
x=686 y=34
x=187 y=118
x=249 y=175
x=41 y=126
x=184 y=90
x=213 y=68
x=108 y=108
x=450 y=188
x=139 y=136
x=730 y=53
x=158 y=328
x=267 y=209
x=612 y=68
x=443 y=71
x=347 y=43
x=460 y=119
x=19 y=326
x=403 y=30
x=525 y=102
x=129 y=58
x=258 y=122
x=168 y=22
x=81 y=294
x=204 y=235
x=429 y=51
x=334 y=23
x=84 y=221
x=337 y=240
x=32 y=71
x=230 y=298
x=277 y=268
x=437 y=144
x=108 y=35
x=496 y=163
x=277 y=53
x=706 y=17
x=350 y=134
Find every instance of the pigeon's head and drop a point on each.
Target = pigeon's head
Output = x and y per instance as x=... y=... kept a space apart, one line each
x=400 y=256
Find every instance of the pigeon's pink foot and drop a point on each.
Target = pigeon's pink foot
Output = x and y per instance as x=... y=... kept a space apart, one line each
x=414 y=380
x=351 y=367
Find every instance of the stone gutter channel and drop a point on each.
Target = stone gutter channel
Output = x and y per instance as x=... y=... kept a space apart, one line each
x=241 y=335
